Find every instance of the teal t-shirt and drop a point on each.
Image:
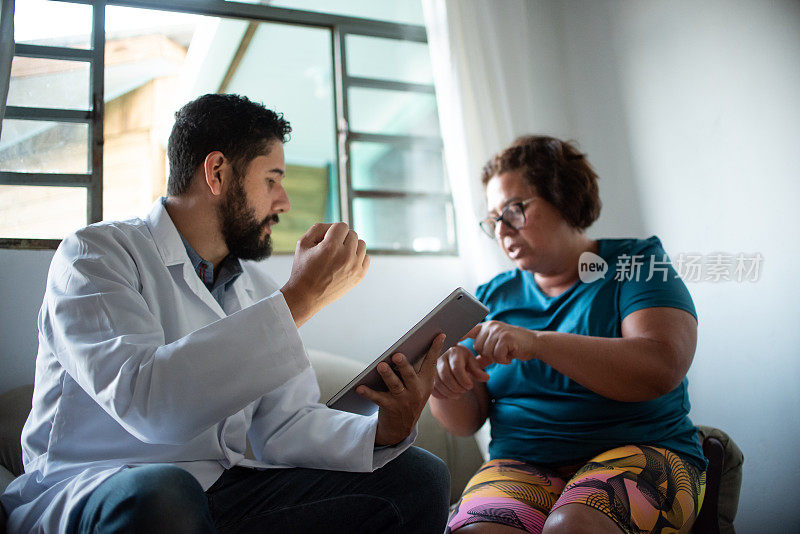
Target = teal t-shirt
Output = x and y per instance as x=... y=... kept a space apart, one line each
x=538 y=414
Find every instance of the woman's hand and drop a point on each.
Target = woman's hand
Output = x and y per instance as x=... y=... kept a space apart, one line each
x=456 y=373
x=648 y=361
x=498 y=342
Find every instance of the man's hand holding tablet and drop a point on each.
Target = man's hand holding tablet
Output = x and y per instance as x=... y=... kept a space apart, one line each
x=399 y=382
x=399 y=408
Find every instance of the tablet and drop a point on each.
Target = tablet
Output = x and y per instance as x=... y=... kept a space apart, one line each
x=454 y=316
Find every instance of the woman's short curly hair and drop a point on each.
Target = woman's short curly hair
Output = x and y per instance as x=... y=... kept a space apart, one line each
x=557 y=170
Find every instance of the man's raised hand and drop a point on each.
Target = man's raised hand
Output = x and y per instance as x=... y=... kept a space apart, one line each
x=329 y=261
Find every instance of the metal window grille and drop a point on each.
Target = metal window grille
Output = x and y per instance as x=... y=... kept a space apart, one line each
x=340 y=26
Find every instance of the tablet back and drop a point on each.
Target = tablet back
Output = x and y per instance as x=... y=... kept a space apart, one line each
x=455 y=316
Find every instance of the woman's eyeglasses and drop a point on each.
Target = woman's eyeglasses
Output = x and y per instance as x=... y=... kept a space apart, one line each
x=513 y=216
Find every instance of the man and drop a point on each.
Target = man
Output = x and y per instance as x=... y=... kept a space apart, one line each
x=161 y=352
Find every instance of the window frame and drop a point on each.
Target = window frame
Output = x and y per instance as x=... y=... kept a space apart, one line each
x=340 y=27
x=93 y=118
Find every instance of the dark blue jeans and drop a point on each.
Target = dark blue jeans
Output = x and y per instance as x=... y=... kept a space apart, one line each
x=409 y=494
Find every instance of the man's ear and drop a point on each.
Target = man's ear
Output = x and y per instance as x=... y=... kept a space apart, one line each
x=212 y=171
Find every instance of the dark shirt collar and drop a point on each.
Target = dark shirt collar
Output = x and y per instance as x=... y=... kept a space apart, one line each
x=228 y=271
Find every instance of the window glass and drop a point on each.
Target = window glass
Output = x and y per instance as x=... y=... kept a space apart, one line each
x=49 y=83
x=308 y=187
x=42 y=146
x=388 y=59
x=392 y=112
x=51 y=23
x=400 y=11
x=380 y=166
x=419 y=225
x=41 y=212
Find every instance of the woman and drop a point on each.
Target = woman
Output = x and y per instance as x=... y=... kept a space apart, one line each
x=583 y=381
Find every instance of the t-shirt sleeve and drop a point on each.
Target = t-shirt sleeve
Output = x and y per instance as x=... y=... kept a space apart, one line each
x=653 y=283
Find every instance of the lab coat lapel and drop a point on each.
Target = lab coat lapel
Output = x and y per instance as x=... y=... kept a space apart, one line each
x=245 y=292
x=173 y=254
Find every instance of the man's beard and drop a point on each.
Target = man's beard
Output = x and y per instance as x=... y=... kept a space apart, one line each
x=240 y=228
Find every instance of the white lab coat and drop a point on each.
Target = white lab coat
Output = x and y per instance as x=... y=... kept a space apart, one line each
x=138 y=364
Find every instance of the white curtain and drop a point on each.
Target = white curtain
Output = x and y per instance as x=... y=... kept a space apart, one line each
x=479 y=50
x=6 y=52
x=484 y=90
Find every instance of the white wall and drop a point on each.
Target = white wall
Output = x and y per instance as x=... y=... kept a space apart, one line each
x=21 y=292
x=595 y=101
x=395 y=294
x=698 y=105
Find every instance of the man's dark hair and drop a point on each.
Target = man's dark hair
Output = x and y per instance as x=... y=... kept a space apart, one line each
x=233 y=124
x=557 y=170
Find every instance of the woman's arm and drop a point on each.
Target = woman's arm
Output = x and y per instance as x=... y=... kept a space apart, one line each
x=649 y=360
x=460 y=401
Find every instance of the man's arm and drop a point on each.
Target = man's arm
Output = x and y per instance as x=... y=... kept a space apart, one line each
x=102 y=331
x=290 y=428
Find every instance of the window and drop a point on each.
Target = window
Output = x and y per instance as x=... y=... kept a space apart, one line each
x=89 y=112
x=50 y=147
